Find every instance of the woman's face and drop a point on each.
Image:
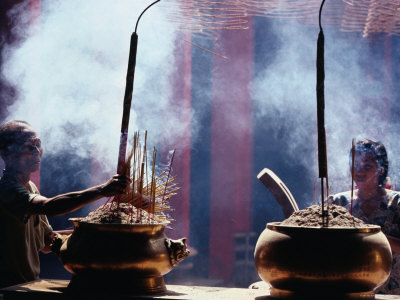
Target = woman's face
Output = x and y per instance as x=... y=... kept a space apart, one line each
x=366 y=169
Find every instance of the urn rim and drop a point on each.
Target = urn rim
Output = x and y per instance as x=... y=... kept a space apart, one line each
x=276 y=226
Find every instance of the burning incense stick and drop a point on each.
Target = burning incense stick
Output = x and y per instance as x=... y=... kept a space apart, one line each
x=322 y=157
x=153 y=182
x=315 y=193
x=148 y=191
x=142 y=194
x=130 y=76
x=353 y=151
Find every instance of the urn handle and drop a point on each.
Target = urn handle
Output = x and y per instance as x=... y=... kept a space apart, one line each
x=177 y=250
x=57 y=241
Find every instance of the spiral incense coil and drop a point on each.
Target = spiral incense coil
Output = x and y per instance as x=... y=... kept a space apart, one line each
x=370 y=17
x=355 y=16
x=382 y=17
x=206 y=18
x=303 y=10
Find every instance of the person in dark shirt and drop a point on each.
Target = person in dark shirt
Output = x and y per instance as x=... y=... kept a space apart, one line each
x=374 y=203
x=24 y=228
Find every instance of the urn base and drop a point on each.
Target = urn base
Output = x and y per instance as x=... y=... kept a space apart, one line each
x=288 y=294
x=115 y=282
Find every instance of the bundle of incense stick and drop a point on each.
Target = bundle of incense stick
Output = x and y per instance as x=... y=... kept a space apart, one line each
x=148 y=191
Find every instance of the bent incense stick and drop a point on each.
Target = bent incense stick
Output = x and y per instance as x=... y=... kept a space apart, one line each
x=322 y=157
x=130 y=76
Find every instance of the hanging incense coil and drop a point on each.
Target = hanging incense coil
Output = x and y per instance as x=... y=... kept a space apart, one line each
x=303 y=10
x=383 y=17
x=371 y=17
x=206 y=18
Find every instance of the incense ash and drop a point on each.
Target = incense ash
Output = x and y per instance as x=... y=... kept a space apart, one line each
x=146 y=201
x=123 y=214
x=338 y=216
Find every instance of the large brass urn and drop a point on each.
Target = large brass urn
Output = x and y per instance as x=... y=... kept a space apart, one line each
x=125 y=258
x=323 y=262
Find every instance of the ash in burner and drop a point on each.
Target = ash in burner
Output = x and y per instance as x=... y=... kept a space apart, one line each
x=124 y=213
x=338 y=216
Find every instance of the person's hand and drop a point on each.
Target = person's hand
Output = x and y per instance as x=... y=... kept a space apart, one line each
x=54 y=241
x=117 y=184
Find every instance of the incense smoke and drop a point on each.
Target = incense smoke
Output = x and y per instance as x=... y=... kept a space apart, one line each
x=70 y=71
x=356 y=100
x=70 y=74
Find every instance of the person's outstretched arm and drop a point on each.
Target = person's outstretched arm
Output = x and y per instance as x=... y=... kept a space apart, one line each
x=69 y=202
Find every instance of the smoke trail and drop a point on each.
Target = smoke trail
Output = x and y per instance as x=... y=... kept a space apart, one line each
x=70 y=73
x=70 y=76
x=284 y=94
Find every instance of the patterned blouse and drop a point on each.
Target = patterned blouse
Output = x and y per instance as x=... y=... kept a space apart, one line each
x=388 y=217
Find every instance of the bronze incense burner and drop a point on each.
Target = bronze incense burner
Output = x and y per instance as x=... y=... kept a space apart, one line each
x=328 y=261
x=124 y=258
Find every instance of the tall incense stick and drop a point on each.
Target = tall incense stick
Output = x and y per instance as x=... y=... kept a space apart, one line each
x=322 y=157
x=130 y=76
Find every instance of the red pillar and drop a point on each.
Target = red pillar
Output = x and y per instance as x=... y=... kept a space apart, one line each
x=231 y=148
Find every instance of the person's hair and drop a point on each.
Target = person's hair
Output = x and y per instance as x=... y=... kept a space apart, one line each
x=11 y=133
x=378 y=150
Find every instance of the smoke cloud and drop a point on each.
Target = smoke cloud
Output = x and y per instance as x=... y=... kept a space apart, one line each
x=357 y=100
x=70 y=74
